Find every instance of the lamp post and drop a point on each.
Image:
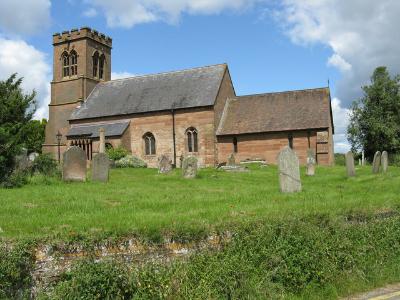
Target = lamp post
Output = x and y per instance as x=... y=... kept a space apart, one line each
x=59 y=136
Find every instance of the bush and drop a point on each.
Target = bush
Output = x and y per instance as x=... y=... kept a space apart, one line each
x=16 y=265
x=339 y=159
x=44 y=164
x=95 y=280
x=17 y=179
x=130 y=161
x=394 y=160
x=117 y=153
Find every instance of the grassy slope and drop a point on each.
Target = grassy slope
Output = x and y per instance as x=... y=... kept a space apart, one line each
x=142 y=201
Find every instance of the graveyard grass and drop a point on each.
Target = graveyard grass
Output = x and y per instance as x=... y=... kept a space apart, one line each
x=144 y=203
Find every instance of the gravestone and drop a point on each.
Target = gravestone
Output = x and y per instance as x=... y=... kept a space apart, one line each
x=100 y=167
x=189 y=167
x=351 y=171
x=289 y=171
x=74 y=164
x=376 y=164
x=384 y=161
x=231 y=160
x=164 y=164
x=33 y=156
x=310 y=169
x=22 y=161
x=102 y=136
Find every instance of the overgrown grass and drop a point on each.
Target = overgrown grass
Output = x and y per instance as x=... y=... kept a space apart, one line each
x=140 y=201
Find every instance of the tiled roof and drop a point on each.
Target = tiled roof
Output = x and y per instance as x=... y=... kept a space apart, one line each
x=92 y=131
x=181 y=89
x=284 y=111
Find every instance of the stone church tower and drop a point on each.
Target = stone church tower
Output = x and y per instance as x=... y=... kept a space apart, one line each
x=81 y=59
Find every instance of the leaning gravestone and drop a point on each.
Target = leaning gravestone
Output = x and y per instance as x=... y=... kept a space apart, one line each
x=74 y=164
x=376 y=164
x=22 y=161
x=351 y=171
x=310 y=171
x=289 y=171
x=100 y=167
x=384 y=161
x=164 y=164
x=189 y=167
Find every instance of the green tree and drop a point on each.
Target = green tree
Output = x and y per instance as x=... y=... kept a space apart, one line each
x=375 y=117
x=16 y=110
x=34 y=135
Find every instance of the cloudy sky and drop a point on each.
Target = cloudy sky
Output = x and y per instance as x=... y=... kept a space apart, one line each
x=270 y=45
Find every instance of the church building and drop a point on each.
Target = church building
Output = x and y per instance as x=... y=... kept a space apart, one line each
x=180 y=113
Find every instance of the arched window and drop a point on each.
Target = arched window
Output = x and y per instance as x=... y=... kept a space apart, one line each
x=235 y=145
x=74 y=63
x=65 y=62
x=290 y=140
x=101 y=66
x=149 y=144
x=191 y=135
x=95 y=63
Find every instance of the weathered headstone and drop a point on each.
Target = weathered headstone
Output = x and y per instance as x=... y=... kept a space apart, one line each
x=289 y=171
x=351 y=171
x=384 y=161
x=22 y=161
x=164 y=164
x=100 y=167
x=33 y=156
x=189 y=167
x=231 y=160
x=376 y=164
x=102 y=145
x=310 y=168
x=74 y=164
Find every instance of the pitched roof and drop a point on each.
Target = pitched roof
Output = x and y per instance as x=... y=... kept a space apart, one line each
x=92 y=131
x=284 y=111
x=139 y=94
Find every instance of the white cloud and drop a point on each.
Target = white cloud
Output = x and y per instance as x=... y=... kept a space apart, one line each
x=128 y=13
x=90 y=13
x=119 y=75
x=362 y=34
x=24 y=17
x=16 y=56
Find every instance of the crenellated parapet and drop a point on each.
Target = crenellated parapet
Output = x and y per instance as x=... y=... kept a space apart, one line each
x=84 y=32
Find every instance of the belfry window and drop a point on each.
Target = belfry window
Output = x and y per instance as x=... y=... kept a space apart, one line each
x=95 y=63
x=74 y=63
x=65 y=62
x=191 y=135
x=149 y=144
x=101 y=66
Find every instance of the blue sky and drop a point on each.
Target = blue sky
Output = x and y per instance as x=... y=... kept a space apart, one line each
x=269 y=45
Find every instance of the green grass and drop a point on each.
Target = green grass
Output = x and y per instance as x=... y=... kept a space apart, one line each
x=140 y=201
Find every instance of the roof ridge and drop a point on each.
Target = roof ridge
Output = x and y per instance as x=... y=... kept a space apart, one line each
x=166 y=73
x=283 y=92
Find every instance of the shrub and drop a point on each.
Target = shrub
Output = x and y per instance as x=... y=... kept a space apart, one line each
x=95 y=280
x=130 y=161
x=394 y=160
x=339 y=159
x=17 y=179
x=16 y=265
x=44 y=164
x=117 y=153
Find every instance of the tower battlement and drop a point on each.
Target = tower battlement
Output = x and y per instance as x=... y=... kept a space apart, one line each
x=84 y=32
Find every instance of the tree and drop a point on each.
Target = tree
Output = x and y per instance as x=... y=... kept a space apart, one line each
x=34 y=135
x=375 y=117
x=16 y=110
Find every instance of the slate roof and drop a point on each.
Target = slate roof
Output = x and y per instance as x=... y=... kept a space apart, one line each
x=92 y=131
x=181 y=89
x=272 y=112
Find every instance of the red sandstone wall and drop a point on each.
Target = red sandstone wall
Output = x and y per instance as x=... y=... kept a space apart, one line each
x=268 y=145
